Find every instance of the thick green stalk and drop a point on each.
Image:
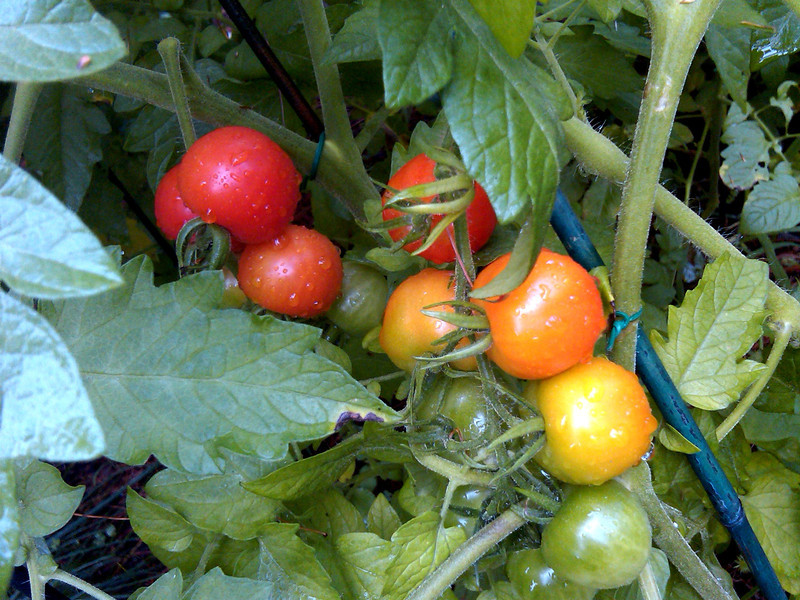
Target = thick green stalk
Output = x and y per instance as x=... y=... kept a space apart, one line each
x=677 y=28
x=601 y=156
x=25 y=97
x=170 y=51
x=79 y=584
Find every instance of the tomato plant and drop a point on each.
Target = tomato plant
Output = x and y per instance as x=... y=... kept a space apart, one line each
x=299 y=273
x=240 y=179
x=406 y=332
x=360 y=305
x=533 y=579
x=599 y=538
x=597 y=421
x=480 y=214
x=171 y=212
x=550 y=322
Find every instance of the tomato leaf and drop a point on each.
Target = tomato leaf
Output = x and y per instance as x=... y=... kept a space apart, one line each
x=746 y=156
x=166 y=587
x=382 y=519
x=357 y=40
x=730 y=50
x=45 y=250
x=777 y=432
x=772 y=205
x=46 y=501
x=781 y=37
x=87 y=41
x=417 y=50
x=716 y=324
x=507 y=130
x=172 y=376
x=364 y=559
x=9 y=521
x=419 y=546
x=45 y=411
x=215 y=585
x=511 y=21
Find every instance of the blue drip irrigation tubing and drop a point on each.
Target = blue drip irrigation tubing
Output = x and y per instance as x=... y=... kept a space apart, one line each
x=674 y=410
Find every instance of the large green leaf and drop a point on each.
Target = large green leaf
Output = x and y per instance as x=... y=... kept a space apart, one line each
x=45 y=250
x=781 y=37
x=172 y=376
x=772 y=205
x=64 y=141
x=708 y=335
x=417 y=51
x=730 y=50
x=364 y=558
x=507 y=131
x=9 y=521
x=46 y=501
x=215 y=585
x=511 y=21
x=46 y=40
x=357 y=40
x=45 y=410
x=166 y=587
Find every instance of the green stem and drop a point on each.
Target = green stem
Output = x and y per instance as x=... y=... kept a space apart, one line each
x=775 y=265
x=669 y=539
x=452 y=471
x=80 y=584
x=599 y=155
x=170 y=51
x=648 y=584
x=438 y=580
x=557 y=72
x=782 y=337
x=677 y=29
x=344 y=179
x=25 y=97
x=690 y=177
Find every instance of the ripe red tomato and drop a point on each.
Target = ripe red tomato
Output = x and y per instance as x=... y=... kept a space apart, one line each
x=597 y=421
x=240 y=179
x=599 y=538
x=299 y=273
x=406 y=332
x=547 y=324
x=171 y=212
x=480 y=214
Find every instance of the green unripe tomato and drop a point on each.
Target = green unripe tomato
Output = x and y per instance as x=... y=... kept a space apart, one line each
x=463 y=403
x=599 y=538
x=534 y=580
x=360 y=305
x=465 y=506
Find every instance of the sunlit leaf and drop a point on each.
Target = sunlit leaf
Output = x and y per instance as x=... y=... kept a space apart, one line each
x=772 y=205
x=46 y=501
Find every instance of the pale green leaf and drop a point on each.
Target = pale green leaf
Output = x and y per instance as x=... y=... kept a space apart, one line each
x=332 y=513
x=9 y=521
x=772 y=205
x=507 y=130
x=773 y=509
x=215 y=503
x=417 y=50
x=45 y=250
x=419 y=546
x=215 y=585
x=382 y=518
x=708 y=335
x=166 y=587
x=511 y=21
x=46 y=501
x=783 y=101
x=730 y=50
x=169 y=375
x=158 y=525
x=45 y=411
x=46 y=40
x=747 y=153
x=364 y=558
x=357 y=40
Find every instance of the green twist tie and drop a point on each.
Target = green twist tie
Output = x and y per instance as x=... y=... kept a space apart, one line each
x=621 y=321
x=314 y=163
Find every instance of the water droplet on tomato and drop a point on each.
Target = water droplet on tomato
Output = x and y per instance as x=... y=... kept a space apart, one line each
x=544 y=292
x=210 y=217
x=237 y=159
x=293 y=301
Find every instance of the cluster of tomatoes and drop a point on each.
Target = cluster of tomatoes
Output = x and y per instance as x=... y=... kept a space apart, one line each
x=241 y=180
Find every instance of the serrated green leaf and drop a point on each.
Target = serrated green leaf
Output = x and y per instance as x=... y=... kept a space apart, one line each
x=64 y=141
x=169 y=375
x=772 y=205
x=382 y=519
x=607 y=10
x=47 y=501
x=357 y=40
x=45 y=411
x=511 y=21
x=730 y=50
x=9 y=521
x=506 y=129
x=419 y=546
x=783 y=101
x=773 y=509
x=331 y=513
x=747 y=153
x=166 y=587
x=47 y=40
x=365 y=557
x=781 y=37
x=716 y=324
x=216 y=503
x=417 y=50
x=45 y=250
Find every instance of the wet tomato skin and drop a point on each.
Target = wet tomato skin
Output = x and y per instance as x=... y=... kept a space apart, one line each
x=298 y=274
x=549 y=322
x=171 y=212
x=240 y=179
x=534 y=580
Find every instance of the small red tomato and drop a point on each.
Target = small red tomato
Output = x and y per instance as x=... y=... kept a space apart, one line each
x=481 y=218
x=171 y=212
x=299 y=273
x=240 y=179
